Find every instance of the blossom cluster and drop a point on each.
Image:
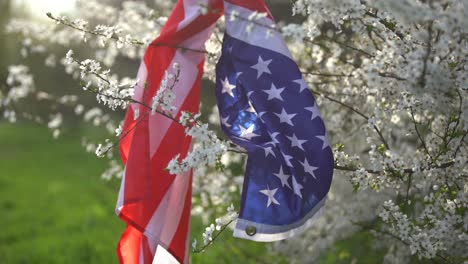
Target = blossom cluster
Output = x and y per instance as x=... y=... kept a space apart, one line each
x=214 y=229
x=21 y=84
x=109 y=91
x=206 y=151
x=165 y=96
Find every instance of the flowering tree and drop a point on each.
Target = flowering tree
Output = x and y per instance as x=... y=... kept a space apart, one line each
x=389 y=76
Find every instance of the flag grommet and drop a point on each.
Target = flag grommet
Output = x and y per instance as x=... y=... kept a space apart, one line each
x=250 y=230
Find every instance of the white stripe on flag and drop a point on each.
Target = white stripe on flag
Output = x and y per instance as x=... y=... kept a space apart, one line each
x=192 y=11
x=140 y=87
x=141 y=257
x=259 y=35
x=165 y=219
x=120 y=200
x=188 y=61
x=163 y=256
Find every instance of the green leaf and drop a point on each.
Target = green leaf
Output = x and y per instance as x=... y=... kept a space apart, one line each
x=452 y=65
x=339 y=146
x=381 y=149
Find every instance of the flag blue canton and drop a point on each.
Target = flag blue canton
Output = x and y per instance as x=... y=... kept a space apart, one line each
x=266 y=107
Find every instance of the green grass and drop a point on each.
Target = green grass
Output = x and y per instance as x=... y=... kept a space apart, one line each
x=54 y=208
x=357 y=249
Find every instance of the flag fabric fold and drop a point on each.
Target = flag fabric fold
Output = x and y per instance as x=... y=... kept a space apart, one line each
x=155 y=204
x=265 y=107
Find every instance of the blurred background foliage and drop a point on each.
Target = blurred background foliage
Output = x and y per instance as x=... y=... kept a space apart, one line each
x=54 y=206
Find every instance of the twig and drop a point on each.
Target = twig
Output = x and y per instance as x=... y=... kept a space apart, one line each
x=419 y=134
x=391 y=75
x=159 y=44
x=422 y=78
x=369 y=227
x=116 y=37
x=408 y=187
x=387 y=24
x=446 y=134
x=199 y=250
x=71 y=25
x=357 y=112
x=341 y=44
x=129 y=99
x=404 y=170
x=459 y=145
x=325 y=74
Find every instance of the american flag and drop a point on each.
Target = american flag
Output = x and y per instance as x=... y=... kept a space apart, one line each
x=265 y=107
x=155 y=204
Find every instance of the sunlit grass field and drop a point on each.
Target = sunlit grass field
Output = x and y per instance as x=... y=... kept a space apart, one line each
x=54 y=208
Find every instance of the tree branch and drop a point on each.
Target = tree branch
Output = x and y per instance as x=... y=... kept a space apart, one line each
x=357 y=112
x=419 y=134
x=201 y=249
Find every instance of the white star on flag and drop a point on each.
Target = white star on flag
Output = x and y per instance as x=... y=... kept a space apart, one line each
x=247 y=133
x=274 y=92
x=261 y=67
x=287 y=159
x=227 y=87
x=273 y=138
x=283 y=177
x=324 y=140
x=295 y=142
x=285 y=117
x=270 y=194
x=224 y=120
x=260 y=115
x=314 y=110
x=297 y=187
x=251 y=107
x=302 y=84
x=308 y=168
x=269 y=151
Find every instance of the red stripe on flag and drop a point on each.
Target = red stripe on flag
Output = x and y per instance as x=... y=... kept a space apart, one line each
x=127 y=138
x=170 y=146
x=147 y=254
x=158 y=60
x=128 y=249
x=178 y=244
x=177 y=16
x=173 y=37
x=138 y=162
x=146 y=181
